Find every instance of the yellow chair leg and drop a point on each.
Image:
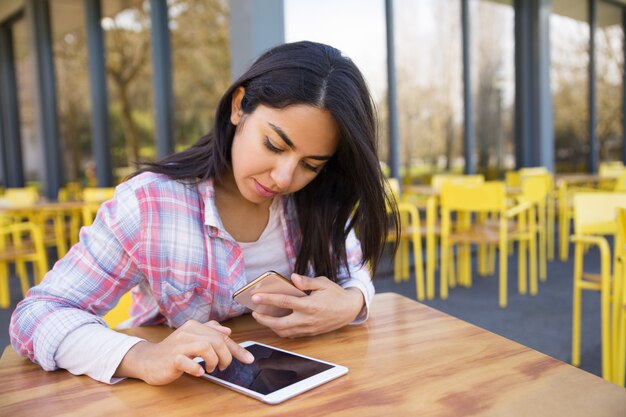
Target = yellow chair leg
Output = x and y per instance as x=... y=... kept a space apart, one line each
x=550 y=228
x=576 y=305
x=5 y=296
x=605 y=331
x=419 y=272
x=502 y=296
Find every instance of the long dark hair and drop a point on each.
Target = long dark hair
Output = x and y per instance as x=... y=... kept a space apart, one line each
x=349 y=192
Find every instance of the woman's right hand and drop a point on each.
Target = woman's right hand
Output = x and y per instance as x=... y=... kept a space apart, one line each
x=164 y=362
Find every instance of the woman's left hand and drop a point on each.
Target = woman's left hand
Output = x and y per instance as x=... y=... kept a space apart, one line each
x=327 y=307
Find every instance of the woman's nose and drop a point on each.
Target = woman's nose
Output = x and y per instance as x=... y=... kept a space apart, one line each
x=282 y=174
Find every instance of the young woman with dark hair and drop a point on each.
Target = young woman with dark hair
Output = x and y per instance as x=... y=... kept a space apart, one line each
x=286 y=180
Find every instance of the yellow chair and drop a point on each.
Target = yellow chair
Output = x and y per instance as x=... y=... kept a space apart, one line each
x=97 y=194
x=608 y=172
x=92 y=198
x=50 y=221
x=472 y=205
x=618 y=313
x=120 y=312
x=409 y=234
x=536 y=190
x=565 y=193
x=72 y=191
x=433 y=224
x=594 y=218
x=550 y=203
x=23 y=196
x=20 y=243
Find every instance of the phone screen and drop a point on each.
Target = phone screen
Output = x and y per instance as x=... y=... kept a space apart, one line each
x=271 y=370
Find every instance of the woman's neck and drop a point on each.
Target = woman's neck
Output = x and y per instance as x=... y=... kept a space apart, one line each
x=244 y=220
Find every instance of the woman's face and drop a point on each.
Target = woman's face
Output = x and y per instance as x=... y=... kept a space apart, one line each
x=279 y=151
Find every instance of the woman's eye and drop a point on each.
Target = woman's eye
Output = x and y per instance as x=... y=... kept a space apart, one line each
x=268 y=144
x=311 y=167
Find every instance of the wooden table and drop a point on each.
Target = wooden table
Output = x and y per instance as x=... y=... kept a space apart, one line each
x=407 y=360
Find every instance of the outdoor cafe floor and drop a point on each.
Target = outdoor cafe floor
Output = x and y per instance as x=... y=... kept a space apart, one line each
x=542 y=322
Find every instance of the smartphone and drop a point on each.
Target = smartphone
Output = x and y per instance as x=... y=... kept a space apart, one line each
x=270 y=282
x=275 y=375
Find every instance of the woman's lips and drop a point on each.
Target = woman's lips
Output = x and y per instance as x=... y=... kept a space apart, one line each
x=264 y=192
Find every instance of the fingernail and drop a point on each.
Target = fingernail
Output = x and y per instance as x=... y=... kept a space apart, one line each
x=256 y=298
x=249 y=357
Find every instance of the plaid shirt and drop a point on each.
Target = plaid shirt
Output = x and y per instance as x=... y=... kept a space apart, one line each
x=164 y=240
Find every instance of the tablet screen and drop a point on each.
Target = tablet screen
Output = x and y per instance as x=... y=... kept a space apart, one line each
x=271 y=370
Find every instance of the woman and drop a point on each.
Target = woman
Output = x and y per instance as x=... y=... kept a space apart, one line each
x=287 y=176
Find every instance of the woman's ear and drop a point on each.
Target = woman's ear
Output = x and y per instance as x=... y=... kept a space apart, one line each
x=235 y=108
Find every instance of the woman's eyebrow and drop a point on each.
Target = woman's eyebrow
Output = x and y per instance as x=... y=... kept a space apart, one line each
x=280 y=132
x=282 y=135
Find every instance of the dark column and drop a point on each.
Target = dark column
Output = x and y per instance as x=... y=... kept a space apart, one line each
x=534 y=135
x=469 y=140
x=543 y=135
x=100 y=137
x=11 y=139
x=392 y=99
x=162 y=78
x=594 y=144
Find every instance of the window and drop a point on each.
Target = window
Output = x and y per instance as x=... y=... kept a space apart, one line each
x=569 y=48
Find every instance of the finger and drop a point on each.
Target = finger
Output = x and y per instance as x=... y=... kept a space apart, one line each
x=242 y=354
x=205 y=351
x=215 y=325
x=309 y=284
x=223 y=353
x=274 y=323
x=188 y=366
x=285 y=301
x=282 y=326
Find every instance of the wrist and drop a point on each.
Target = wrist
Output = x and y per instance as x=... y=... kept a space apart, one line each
x=132 y=365
x=357 y=302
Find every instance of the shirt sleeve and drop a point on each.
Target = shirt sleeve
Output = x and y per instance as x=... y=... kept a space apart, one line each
x=84 y=285
x=357 y=276
x=94 y=350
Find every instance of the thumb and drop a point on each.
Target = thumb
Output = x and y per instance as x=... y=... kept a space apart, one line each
x=306 y=283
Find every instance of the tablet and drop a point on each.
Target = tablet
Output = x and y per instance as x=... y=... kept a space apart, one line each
x=275 y=375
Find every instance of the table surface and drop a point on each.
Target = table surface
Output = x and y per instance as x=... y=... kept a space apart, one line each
x=408 y=359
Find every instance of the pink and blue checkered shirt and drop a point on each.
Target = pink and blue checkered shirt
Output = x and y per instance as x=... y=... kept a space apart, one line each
x=165 y=240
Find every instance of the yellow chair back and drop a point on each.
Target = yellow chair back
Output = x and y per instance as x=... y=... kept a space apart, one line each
x=535 y=189
x=534 y=171
x=25 y=196
x=438 y=180
x=620 y=182
x=594 y=213
x=98 y=194
x=610 y=169
x=488 y=196
x=513 y=179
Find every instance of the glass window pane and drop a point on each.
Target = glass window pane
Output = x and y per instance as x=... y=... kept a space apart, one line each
x=493 y=85
x=609 y=80
x=32 y=146
x=430 y=86
x=200 y=40
x=69 y=43
x=569 y=55
x=129 y=70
